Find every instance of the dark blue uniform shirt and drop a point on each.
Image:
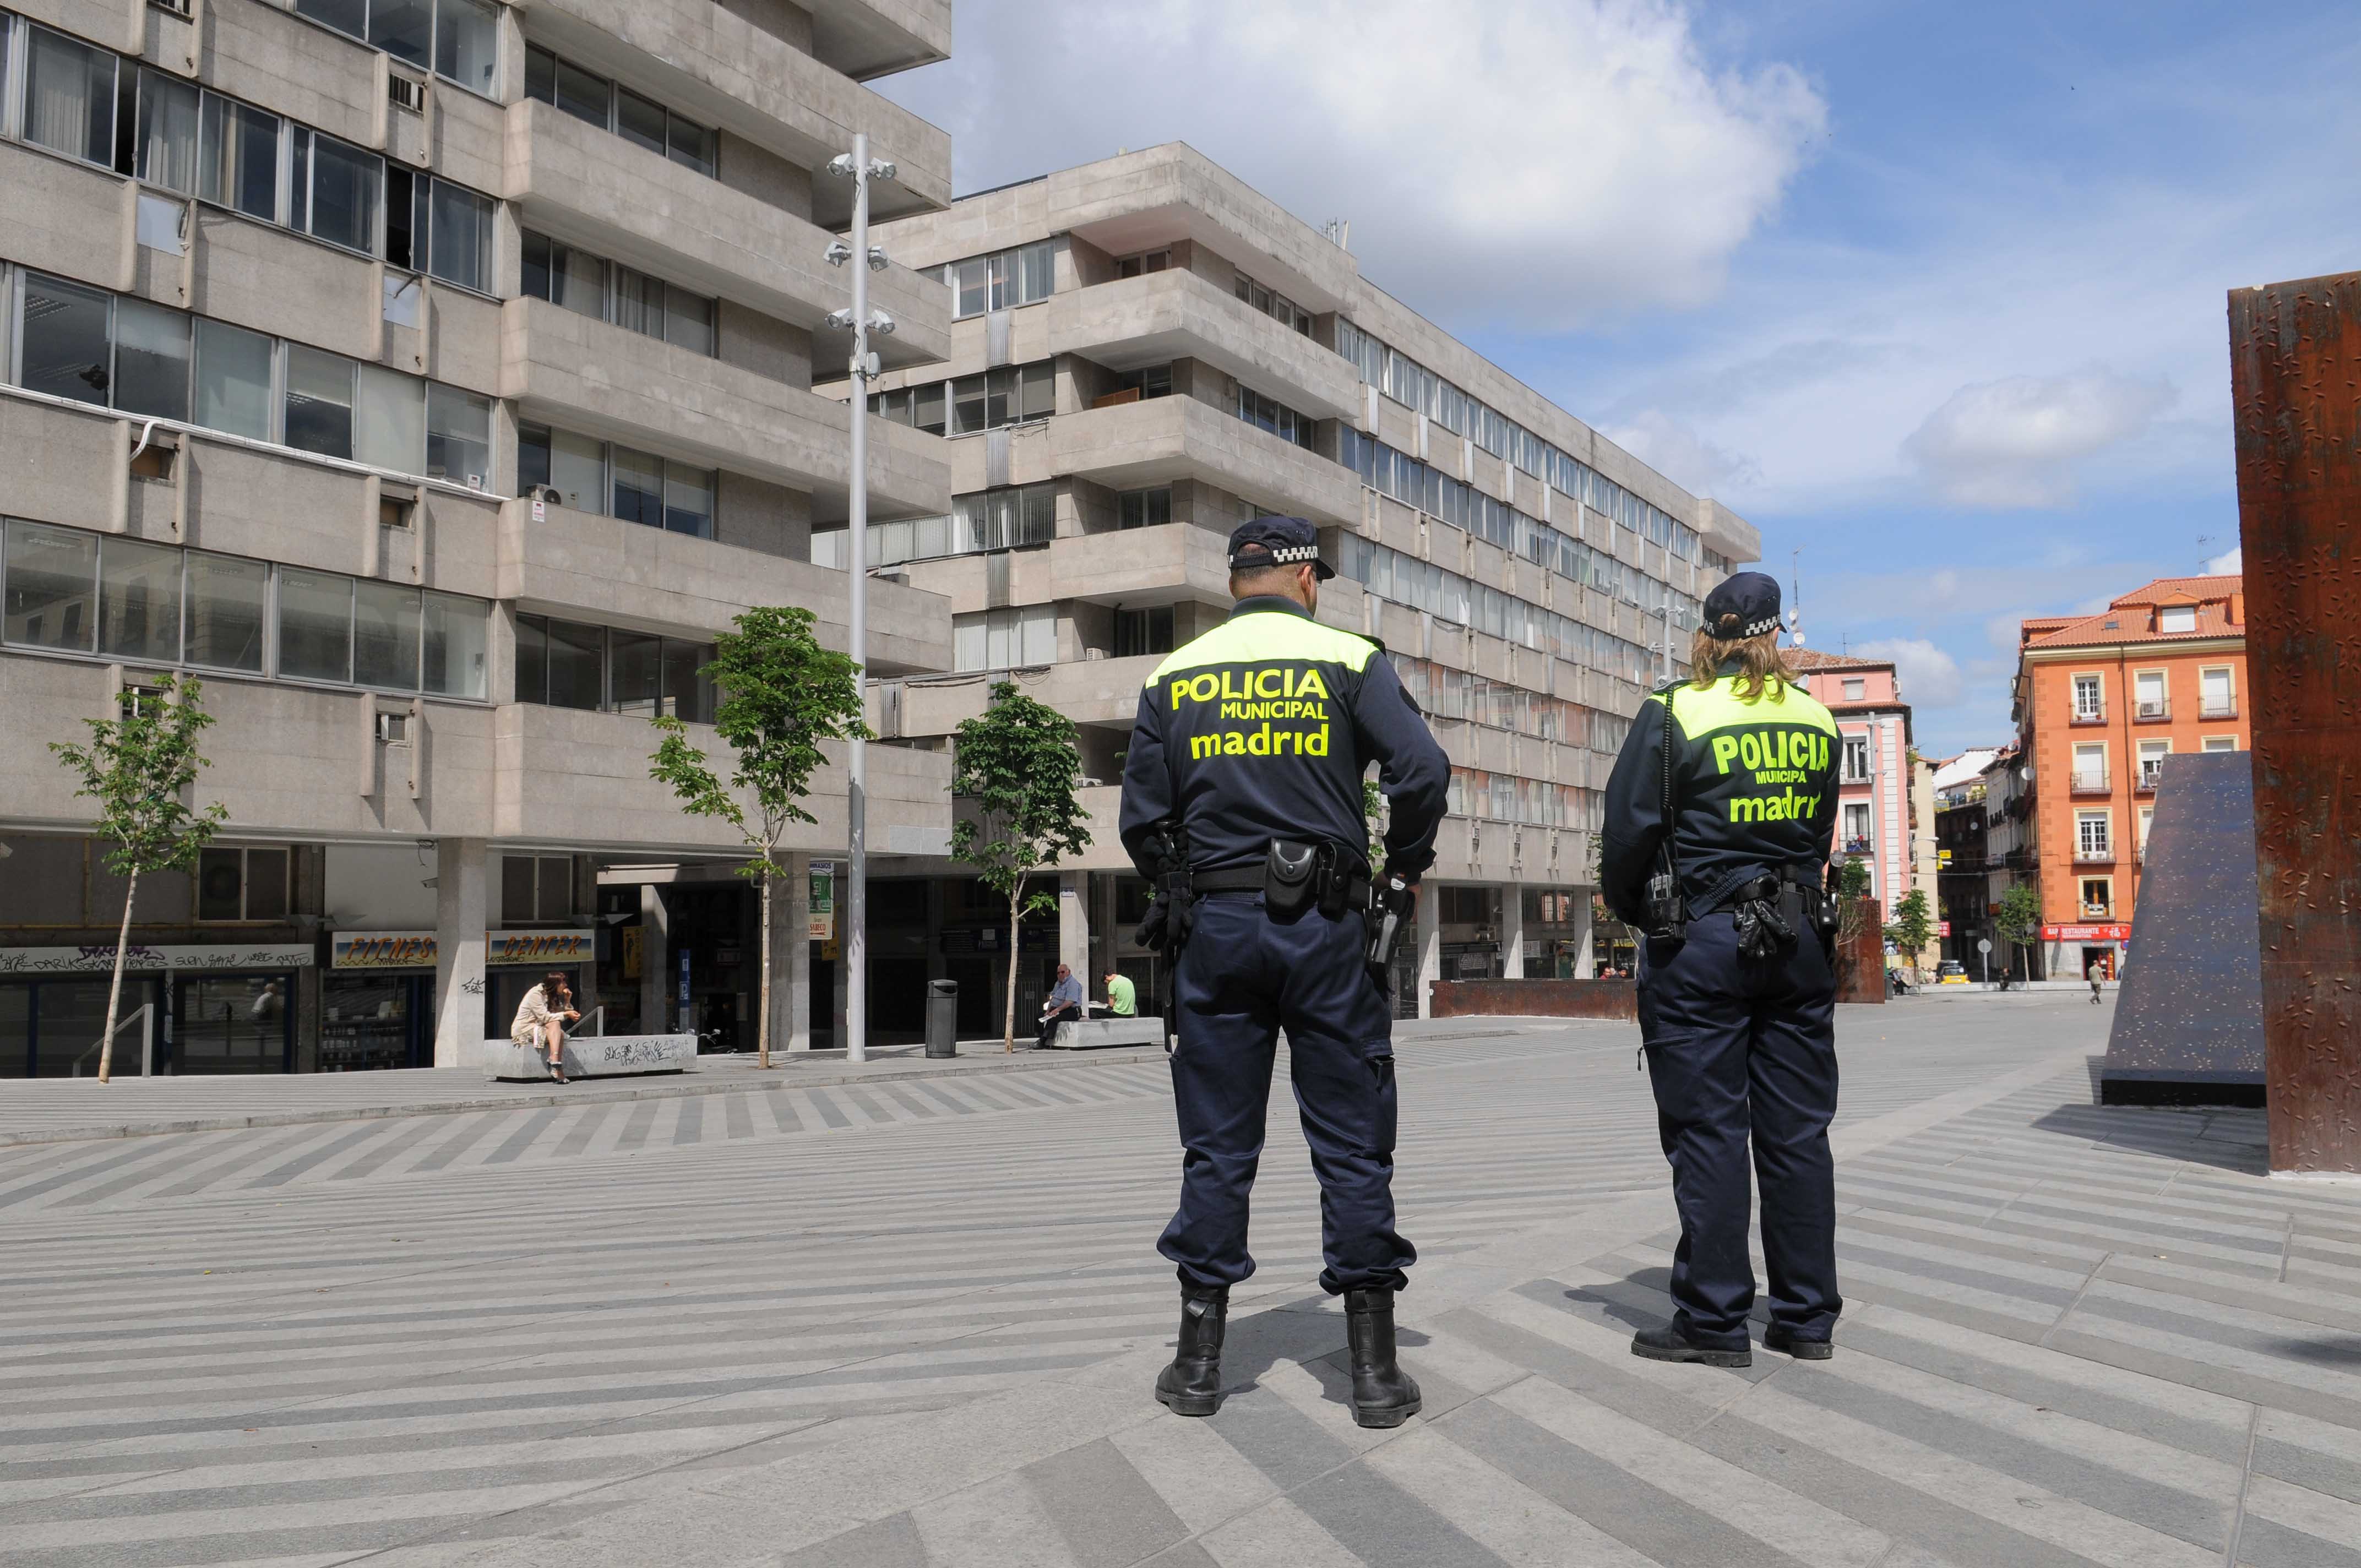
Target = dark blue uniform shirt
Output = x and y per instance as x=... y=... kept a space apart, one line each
x=1263 y=728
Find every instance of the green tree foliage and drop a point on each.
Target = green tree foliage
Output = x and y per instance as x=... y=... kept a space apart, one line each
x=2016 y=918
x=1852 y=899
x=781 y=696
x=139 y=767
x=1018 y=764
x=1373 y=811
x=1912 y=927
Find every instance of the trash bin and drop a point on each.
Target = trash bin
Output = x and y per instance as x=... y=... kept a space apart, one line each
x=942 y=1017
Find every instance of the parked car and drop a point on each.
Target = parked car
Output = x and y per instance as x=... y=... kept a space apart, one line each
x=1950 y=972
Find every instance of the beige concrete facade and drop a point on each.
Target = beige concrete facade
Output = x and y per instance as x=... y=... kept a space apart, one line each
x=1182 y=297
x=711 y=460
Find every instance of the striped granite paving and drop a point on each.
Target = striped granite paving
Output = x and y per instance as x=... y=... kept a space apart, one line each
x=898 y=1335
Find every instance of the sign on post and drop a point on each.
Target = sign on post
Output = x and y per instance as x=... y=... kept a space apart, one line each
x=822 y=921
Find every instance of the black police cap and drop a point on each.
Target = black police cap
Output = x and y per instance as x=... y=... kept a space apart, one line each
x=1745 y=605
x=1277 y=542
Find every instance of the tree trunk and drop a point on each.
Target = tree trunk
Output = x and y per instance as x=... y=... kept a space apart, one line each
x=114 y=991
x=1008 y=1019
x=762 y=1025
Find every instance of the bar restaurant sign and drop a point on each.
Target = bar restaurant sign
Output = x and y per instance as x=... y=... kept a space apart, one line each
x=417 y=950
x=99 y=958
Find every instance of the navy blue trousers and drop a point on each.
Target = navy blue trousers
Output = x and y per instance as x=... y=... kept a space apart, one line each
x=1739 y=1047
x=1243 y=978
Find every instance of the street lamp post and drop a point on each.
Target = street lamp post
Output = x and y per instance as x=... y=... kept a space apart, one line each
x=857 y=166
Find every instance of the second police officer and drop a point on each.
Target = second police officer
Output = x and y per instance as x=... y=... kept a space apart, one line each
x=1242 y=800
x=1719 y=819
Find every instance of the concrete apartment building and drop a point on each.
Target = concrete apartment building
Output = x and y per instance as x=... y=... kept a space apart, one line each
x=432 y=378
x=1144 y=352
x=2099 y=701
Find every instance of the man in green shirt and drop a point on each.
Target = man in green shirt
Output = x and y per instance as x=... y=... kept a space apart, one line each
x=1123 y=999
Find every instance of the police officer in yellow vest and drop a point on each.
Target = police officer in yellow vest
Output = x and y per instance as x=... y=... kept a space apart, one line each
x=1719 y=819
x=1242 y=798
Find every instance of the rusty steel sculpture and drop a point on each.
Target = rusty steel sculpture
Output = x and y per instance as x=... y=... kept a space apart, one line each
x=2295 y=376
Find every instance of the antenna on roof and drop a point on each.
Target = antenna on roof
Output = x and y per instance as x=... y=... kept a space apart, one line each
x=1339 y=232
x=1795 y=600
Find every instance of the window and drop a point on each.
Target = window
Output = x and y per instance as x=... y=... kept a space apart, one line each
x=69 y=103
x=468 y=44
x=616 y=481
x=234 y=380
x=456 y=647
x=2091 y=836
x=1003 y=280
x=1003 y=520
x=2097 y=897
x=63 y=340
x=2090 y=700
x=1140 y=632
x=1013 y=394
x=564 y=664
x=51 y=587
x=536 y=890
x=2147 y=821
x=1856 y=827
x=1147 y=261
x=2148 y=694
x=166 y=148
x=1278 y=306
x=2089 y=768
x=242 y=885
x=152 y=360
x=2215 y=696
x=1275 y=417
x=455 y=39
x=458 y=435
x=2151 y=761
x=1856 y=759
x=319 y=402
x=238 y=160
x=1006 y=639
x=2174 y=618
x=316 y=626
x=338 y=191
x=1143 y=509
x=2221 y=742
x=224 y=622
x=139 y=602
x=385 y=636
x=1150 y=381
x=580 y=282
x=1856 y=690
x=458 y=236
x=587 y=96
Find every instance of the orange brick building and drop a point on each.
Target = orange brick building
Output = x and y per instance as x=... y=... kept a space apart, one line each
x=2101 y=700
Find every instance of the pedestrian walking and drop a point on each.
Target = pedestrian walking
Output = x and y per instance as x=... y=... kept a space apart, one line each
x=1242 y=800
x=2094 y=988
x=1719 y=819
x=541 y=1020
x=1065 y=1003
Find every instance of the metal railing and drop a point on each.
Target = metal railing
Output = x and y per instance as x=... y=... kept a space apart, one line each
x=2100 y=854
x=595 y=1015
x=2152 y=712
x=2087 y=781
x=145 y=1016
x=2224 y=708
x=2089 y=716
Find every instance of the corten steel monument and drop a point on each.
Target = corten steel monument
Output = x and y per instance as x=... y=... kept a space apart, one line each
x=2295 y=377
x=2188 y=1021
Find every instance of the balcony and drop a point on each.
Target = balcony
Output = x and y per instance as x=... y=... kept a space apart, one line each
x=2102 y=854
x=2088 y=718
x=2158 y=711
x=2218 y=708
x=2089 y=780
x=1088 y=691
x=1174 y=315
x=2149 y=773
x=1135 y=445
x=866 y=39
x=1856 y=847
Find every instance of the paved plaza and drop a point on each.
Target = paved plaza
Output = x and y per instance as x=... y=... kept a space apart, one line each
x=912 y=1319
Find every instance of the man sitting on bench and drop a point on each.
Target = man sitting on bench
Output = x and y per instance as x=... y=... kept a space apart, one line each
x=1065 y=1003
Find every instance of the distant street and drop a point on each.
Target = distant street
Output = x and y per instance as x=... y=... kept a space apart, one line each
x=912 y=1321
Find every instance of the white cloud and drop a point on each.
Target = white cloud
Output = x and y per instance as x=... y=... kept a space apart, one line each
x=2018 y=442
x=1682 y=456
x=2229 y=564
x=1545 y=161
x=1928 y=676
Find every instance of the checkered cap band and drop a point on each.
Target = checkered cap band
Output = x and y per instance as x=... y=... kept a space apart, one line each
x=1293 y=555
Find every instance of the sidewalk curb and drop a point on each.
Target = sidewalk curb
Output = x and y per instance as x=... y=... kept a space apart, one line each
x=752 y=1080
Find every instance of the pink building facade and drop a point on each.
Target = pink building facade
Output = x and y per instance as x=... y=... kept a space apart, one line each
x=1877 y=805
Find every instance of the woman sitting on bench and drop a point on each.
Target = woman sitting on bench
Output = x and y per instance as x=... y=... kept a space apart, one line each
x=542 y=1017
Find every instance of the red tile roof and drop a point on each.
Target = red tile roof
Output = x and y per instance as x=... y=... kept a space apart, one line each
x=2130 y=618
x=1814 y=659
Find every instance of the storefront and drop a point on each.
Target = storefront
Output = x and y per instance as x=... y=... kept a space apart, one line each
x=2090 y=951
x=211 y=1008
x=377 y=1001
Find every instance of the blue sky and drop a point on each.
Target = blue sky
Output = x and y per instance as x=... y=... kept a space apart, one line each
x=1933 y=293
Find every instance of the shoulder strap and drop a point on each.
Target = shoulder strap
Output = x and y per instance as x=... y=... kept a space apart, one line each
x=1668 y=818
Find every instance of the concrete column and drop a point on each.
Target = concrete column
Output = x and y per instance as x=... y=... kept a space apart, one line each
x=459 y=913
x=1585 y=963
x=1512 y=931
x=1429 y=945
x=791 y=954
x=656 y=950
x=1074 y=927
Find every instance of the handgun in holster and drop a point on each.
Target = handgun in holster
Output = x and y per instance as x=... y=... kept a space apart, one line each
x=1392 y=899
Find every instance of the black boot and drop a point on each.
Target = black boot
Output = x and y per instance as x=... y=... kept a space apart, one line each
x=1191 y=1385
x=1778 y=1336
x=1668 y=1343
x=1383 y=1394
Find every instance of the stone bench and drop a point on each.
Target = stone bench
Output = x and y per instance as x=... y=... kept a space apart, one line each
x=591 y=1055
x=1097 y=1034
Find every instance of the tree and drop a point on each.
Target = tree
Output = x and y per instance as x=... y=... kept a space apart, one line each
x=1373 y=811
x=1017 y=762
x=2016 y=918
x=1912 y=927
x=139 y=767
x=1852 y=899
x=781 y=695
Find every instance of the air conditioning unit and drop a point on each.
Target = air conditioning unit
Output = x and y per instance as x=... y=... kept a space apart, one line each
x=406 y=92
x=393 y=729
x=177 y=7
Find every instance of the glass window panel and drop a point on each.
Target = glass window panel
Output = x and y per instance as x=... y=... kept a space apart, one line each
x=532 y=658
x=532 y=458
x=1038 y=523
x=968 y=642
x=266 y=885
x=460 y=238
x=639 y=486
x=238 y=161
x=516 y=887
x=70 y=97
x=458 y=435
x=693 y=146
x=688 y=321
x=457 y=646
x=139 y=601
x=345 y=187
x=579 y=282
x=385 y=636
x=1038 y=397
x=224 y=611
x=971 y=287
x=51 y=587
x=575 y=676
x=926 y=407
x=168 y=132
x=1000 y=388
x=639 y=301
x=345 y=15
x=390 y=420
x=234 y=380
x=220 y=879
x=688 y=499
x=580 y=94
x=967 y=405
x=316 y=626
x=1039 y=265
x=404 y=28
x=468 y=44
x=639 y=121
x=152 y=360
x=540 y=74
x=64 y=340
x=635 y=671
x=996 y=273
x=578 y=471
x=686 y=693
x=554 y=905
x=319 y=402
